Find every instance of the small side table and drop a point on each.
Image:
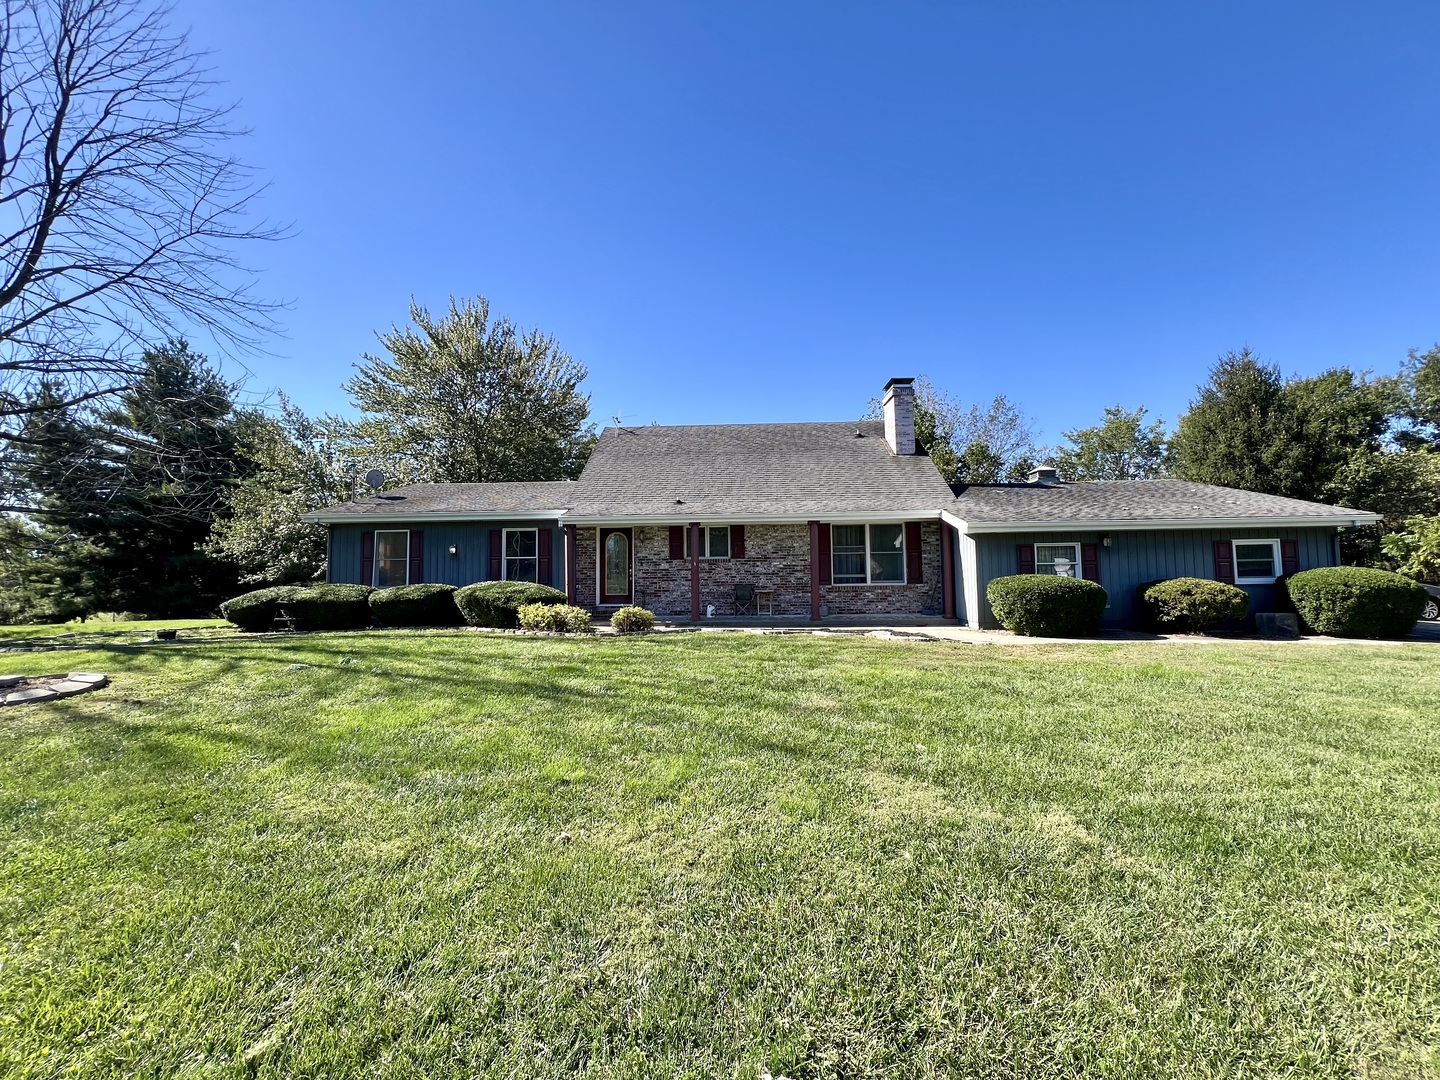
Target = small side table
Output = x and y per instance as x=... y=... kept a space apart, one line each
x=764 y=601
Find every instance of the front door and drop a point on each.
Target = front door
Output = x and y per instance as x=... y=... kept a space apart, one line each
x=616 y=566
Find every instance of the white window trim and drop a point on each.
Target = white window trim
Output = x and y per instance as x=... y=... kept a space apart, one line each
x=505 y=546
x=868 y=583
x=375 y=557
x=705 y=555
x=1275 y=561
x=1035 y=555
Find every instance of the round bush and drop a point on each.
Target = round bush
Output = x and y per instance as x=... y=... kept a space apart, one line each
x=633 y=620
x=557 y=618
x=256 y=610
x=1356 y=601
x=416 y=605
x=1047 y=605
x=495 y=603
x=331 y=607
x=1192 y=605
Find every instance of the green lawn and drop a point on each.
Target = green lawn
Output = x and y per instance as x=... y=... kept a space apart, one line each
x=825 y=857
x=97 y=630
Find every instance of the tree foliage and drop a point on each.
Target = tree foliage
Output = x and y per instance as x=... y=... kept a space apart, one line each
x=467 y=399
x=971 y=444
x=1327 y=438
x=1121 y=447
x=1415 y=548
x=120 y=204
x=120 y=499
x=299 y=464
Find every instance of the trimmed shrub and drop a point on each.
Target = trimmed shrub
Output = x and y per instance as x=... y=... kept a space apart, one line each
x=415 y=605
x=1192 y=605
x=1356 y=601
x=256 y=610
x=633 y=620
x=1047 y=605
x=495 y=603
x=557 y=618
x=331 y=607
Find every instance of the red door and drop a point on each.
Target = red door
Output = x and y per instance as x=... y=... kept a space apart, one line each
x=617 y=566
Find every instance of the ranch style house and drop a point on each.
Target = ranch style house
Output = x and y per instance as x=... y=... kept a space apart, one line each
x=818 y=520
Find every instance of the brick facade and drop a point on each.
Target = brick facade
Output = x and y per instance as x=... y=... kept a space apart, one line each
x=776 y=556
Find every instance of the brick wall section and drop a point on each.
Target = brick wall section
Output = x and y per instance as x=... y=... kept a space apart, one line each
x=776 y=556
x=585 y=567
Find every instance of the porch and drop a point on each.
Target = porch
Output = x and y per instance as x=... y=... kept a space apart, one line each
x=758 y=572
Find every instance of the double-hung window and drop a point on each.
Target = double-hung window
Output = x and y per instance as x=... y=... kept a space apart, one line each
x=867 y=554
x=392 y=559
x=522 y=555
x=1062 y=560
x=1257 y=562
x=714 y=542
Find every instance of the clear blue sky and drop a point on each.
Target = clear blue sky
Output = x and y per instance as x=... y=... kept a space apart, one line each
x=747 y=212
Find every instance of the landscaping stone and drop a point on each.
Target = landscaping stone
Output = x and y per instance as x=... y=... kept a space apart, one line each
x=69 y=688
x=24 y=689
x=34 y=693
x=1277 y=624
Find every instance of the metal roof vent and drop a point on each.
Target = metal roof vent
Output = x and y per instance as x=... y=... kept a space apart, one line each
x=1044 y=476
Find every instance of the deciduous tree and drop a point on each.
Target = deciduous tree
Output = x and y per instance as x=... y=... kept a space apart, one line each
x=1121 y=447
x=121 y=204
x=467 y=399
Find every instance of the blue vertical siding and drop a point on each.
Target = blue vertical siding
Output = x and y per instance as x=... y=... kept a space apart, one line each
x=470 y=563
x=1137 y=557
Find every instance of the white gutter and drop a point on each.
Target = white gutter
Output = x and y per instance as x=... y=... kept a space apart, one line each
x=382 y=516
x=1351 y=521
x=753 y=519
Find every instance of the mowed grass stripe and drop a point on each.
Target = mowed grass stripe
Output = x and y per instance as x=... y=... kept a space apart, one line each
x=340 y=855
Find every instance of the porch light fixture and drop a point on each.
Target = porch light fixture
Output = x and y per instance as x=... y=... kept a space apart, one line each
x=1105 y=539
x=454 y=549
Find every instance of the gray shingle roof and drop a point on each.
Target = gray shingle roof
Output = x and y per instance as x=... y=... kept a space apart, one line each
x=739 y=471
x=1121 y=502
x=541 y=498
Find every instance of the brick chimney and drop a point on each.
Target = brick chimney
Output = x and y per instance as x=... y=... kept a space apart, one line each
x=899 y=406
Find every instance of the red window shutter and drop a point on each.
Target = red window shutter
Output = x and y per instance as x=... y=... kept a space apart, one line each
x=417 y=556
x=1224 y=561
x=914 y=564
x=497 y=551
x=1090 y=562
x=367 y=558
x=1024 y=558
x=737 y=541
x=822 y=552
x=544 y=541
x=1289 y=557
x=677 y=541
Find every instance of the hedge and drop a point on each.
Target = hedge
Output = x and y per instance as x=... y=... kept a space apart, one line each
x=1047 y=605
x=557 y=618
x=331 y=607
x=257 y=610
x=495 y=603
x=1356 y=601
x=416 y=605
x=1192 y=605
x=632 y=620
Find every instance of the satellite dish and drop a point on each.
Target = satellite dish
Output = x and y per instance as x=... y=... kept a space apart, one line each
x=375 y=479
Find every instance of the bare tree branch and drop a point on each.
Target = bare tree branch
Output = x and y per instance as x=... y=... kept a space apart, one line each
x=120 y=205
